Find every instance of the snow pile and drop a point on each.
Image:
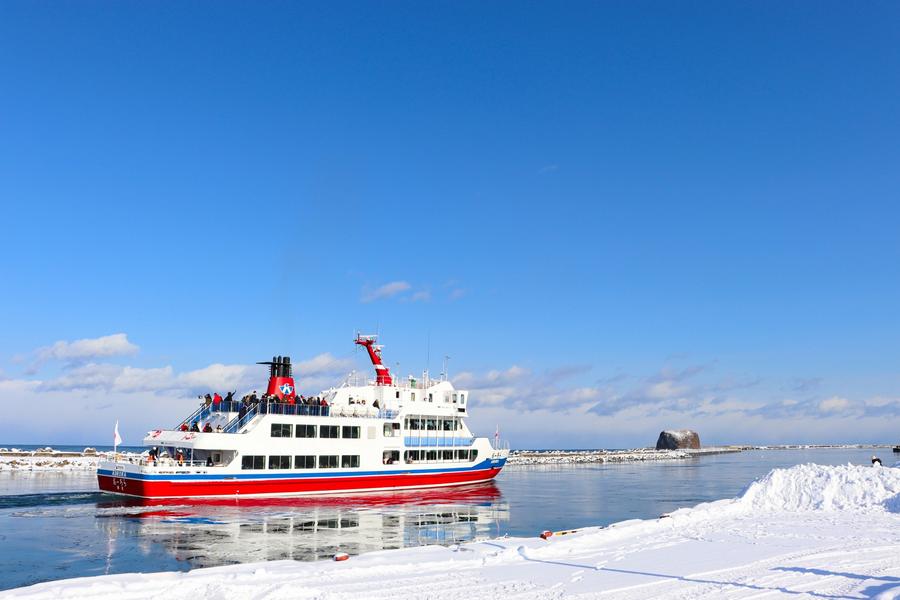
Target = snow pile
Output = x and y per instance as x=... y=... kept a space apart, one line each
x=818 y=487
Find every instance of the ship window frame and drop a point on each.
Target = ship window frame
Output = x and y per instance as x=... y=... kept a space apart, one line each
x=325 y=461
x=352 y=429
x=278 y=462
x=446 y=454
x=253 y=459
x=308 y=462
x=353 y=458
x=281 y=427
x=390 y=457
x=330 y=428
x=473 y=454
x=307 y=428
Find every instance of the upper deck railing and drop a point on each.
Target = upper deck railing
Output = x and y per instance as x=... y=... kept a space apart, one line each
x=247 y=412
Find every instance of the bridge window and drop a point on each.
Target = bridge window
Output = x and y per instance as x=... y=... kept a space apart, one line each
x=328 y=431
x=462 y=398
x=462 y=455
x=454 y=398
x=306 y=431
x=253 y=462
x=473 y=454
x=350 y=431
x=446 y=454
x=448 y=425
x=349 y=462
x=305 y=462
x=279 y=462
x=328 y=461
x=432 y=424
x=281 y=430
x=389 y=457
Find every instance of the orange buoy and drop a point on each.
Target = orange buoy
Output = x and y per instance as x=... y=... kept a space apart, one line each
x=341 y=556
x=546 y=534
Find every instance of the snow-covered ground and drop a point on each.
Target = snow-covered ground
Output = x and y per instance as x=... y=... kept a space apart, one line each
x=48 y=459
x=551 y=457
x=805 y=532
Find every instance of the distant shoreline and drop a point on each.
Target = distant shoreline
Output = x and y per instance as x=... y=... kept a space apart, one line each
x=47 y=458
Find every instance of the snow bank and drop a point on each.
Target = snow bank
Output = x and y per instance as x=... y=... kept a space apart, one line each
x=48 y=459
x=818 y=487
x=807 y=531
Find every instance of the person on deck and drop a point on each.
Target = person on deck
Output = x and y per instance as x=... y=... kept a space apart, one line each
x=207 y=400
x=218 y=429
x=217 y=399
x=195 y=426
x=184 y=427
x=207 y=428
x=375 y=404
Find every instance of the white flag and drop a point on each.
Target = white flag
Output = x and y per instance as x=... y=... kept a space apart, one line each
x=117 y=439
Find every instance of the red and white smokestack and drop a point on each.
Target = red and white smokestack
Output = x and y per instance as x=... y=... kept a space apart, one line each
x=281 y=380
x=382 y=373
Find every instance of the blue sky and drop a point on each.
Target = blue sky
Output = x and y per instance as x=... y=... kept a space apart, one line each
x=614 y=217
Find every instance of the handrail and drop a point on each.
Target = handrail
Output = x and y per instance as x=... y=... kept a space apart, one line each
x=197 y=415
x=437 y=442
x=276 y=408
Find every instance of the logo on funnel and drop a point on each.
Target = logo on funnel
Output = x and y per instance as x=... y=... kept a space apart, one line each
x=286 y=389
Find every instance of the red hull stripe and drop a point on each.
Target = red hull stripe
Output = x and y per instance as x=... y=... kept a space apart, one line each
x=316 y=474
x=305 y=485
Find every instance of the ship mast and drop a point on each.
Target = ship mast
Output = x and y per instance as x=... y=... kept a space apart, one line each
x=382 y=373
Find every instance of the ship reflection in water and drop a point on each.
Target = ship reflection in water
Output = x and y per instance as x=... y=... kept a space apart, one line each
x=213 y=532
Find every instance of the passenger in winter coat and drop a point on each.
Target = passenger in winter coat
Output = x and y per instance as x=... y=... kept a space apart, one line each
x=207 y=428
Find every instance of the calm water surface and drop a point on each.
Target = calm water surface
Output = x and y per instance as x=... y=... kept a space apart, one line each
x=56 y=525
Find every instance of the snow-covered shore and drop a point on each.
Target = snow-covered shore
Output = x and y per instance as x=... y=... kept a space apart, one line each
x=550 y=457
x=808 y=531
x=48 y=459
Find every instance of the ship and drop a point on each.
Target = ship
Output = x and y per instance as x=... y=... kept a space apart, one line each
x=375 y=435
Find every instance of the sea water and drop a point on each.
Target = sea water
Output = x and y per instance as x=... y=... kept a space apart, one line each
x=57 y=525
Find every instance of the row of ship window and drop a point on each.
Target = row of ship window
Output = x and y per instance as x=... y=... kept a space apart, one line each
x=430 y=424
x=457 y=398
x=310 y=431
x=286 y=430
x=351 y=461
x=329 y=461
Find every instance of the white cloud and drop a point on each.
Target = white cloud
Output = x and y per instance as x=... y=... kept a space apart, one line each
x=420 y=296
x=387 y=290
x=834 y=404
x=88 y=348
x=323 y=364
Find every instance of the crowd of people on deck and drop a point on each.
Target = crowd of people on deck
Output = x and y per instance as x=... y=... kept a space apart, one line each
x=246 y=404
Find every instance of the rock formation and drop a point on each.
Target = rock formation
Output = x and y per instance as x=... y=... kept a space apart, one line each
x=678 y=439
